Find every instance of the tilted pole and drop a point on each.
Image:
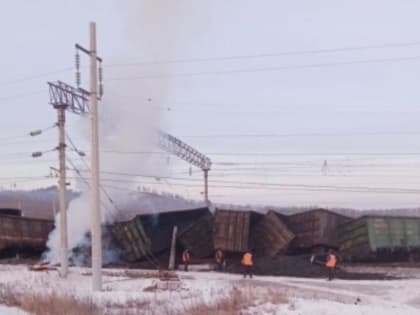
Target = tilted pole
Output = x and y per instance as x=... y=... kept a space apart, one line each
x=173 y=249
x=206 y=186
x=96 y=217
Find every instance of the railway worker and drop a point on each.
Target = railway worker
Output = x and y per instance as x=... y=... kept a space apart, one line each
x=219 y=257
x=331 y=263
x=247 y=263
x=186 y=258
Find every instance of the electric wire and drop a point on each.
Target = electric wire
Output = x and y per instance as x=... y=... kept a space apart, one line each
x=265 y=69
x=265 y=55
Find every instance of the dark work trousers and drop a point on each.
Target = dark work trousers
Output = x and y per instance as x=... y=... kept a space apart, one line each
x=331 y=273
x=248 y=271
x=185 y=266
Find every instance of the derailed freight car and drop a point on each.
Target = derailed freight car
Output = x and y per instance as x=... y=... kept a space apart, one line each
x=21 y=234
x=198 y=236
x=315 y=230
x=271 y=235
x=132 y=239
x=232 y=229
x=159 y=226
x=150 y=234
x=380 y=238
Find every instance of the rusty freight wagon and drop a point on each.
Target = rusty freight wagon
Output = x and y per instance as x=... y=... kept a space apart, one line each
x=152 y=233
x=198 y=236
x=232 y=229
x=21 y=234
x=315 y=230
x=159 y=227
x=380 y=238
x=271 y=235
x=131 y=238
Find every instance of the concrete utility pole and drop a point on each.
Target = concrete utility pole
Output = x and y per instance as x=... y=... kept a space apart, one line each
x=96 y=216
x=61 y=113
x=206 y=186
x=173 y=253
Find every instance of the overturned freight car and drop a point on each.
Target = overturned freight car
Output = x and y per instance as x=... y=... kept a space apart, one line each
x=132 y=239
x=315 y=230
x=159 y=226
x=152 y=233
x=198 y=236
x=232 y=229
x=271 y=235
x=23 y=235
x=380 y=238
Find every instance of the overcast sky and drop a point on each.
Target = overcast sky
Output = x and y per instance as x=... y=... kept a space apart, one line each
x=288 y=98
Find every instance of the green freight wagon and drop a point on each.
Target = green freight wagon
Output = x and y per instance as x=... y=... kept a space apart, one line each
x=379 y=237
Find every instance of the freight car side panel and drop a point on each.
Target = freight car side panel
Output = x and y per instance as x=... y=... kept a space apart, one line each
x=413 y=233
x=24 y=233
x=271 y=235
x=198 y=237
x=132 y=238
x=316 y=228
x=159 y=226
x=231 y=230
x=379 y=237
x=394 y=233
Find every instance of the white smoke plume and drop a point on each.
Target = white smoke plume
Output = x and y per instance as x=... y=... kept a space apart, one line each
x=129 y=117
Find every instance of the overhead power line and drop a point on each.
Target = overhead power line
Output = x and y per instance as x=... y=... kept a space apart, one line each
x=266 y=69
x=265 y=55
x=266 y=184
x=285 y=188
x=313 y=134
x=35 y=76
x=276 y=153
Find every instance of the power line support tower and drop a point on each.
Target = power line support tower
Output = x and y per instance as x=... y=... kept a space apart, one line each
x=64 y=97
x=187 y=153
x=77 y=100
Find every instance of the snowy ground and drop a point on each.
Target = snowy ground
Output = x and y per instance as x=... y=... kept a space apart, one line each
x=263 y=295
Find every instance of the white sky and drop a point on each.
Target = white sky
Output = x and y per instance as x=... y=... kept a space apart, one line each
x=250 y=88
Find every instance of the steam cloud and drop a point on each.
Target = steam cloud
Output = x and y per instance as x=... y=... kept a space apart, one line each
x=129 y=116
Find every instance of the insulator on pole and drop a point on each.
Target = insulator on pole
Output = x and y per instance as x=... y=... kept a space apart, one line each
x=77 y=63
x=77 y=59
x=101 y=90
x=100 y=79
x=100 y=73
x=78 y=79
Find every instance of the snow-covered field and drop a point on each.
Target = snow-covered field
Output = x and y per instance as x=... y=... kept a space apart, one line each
x=139 y=291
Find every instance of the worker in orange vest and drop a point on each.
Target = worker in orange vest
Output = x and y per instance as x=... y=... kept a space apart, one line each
x=331 y=263
x=186 y=258
x=247 y=263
